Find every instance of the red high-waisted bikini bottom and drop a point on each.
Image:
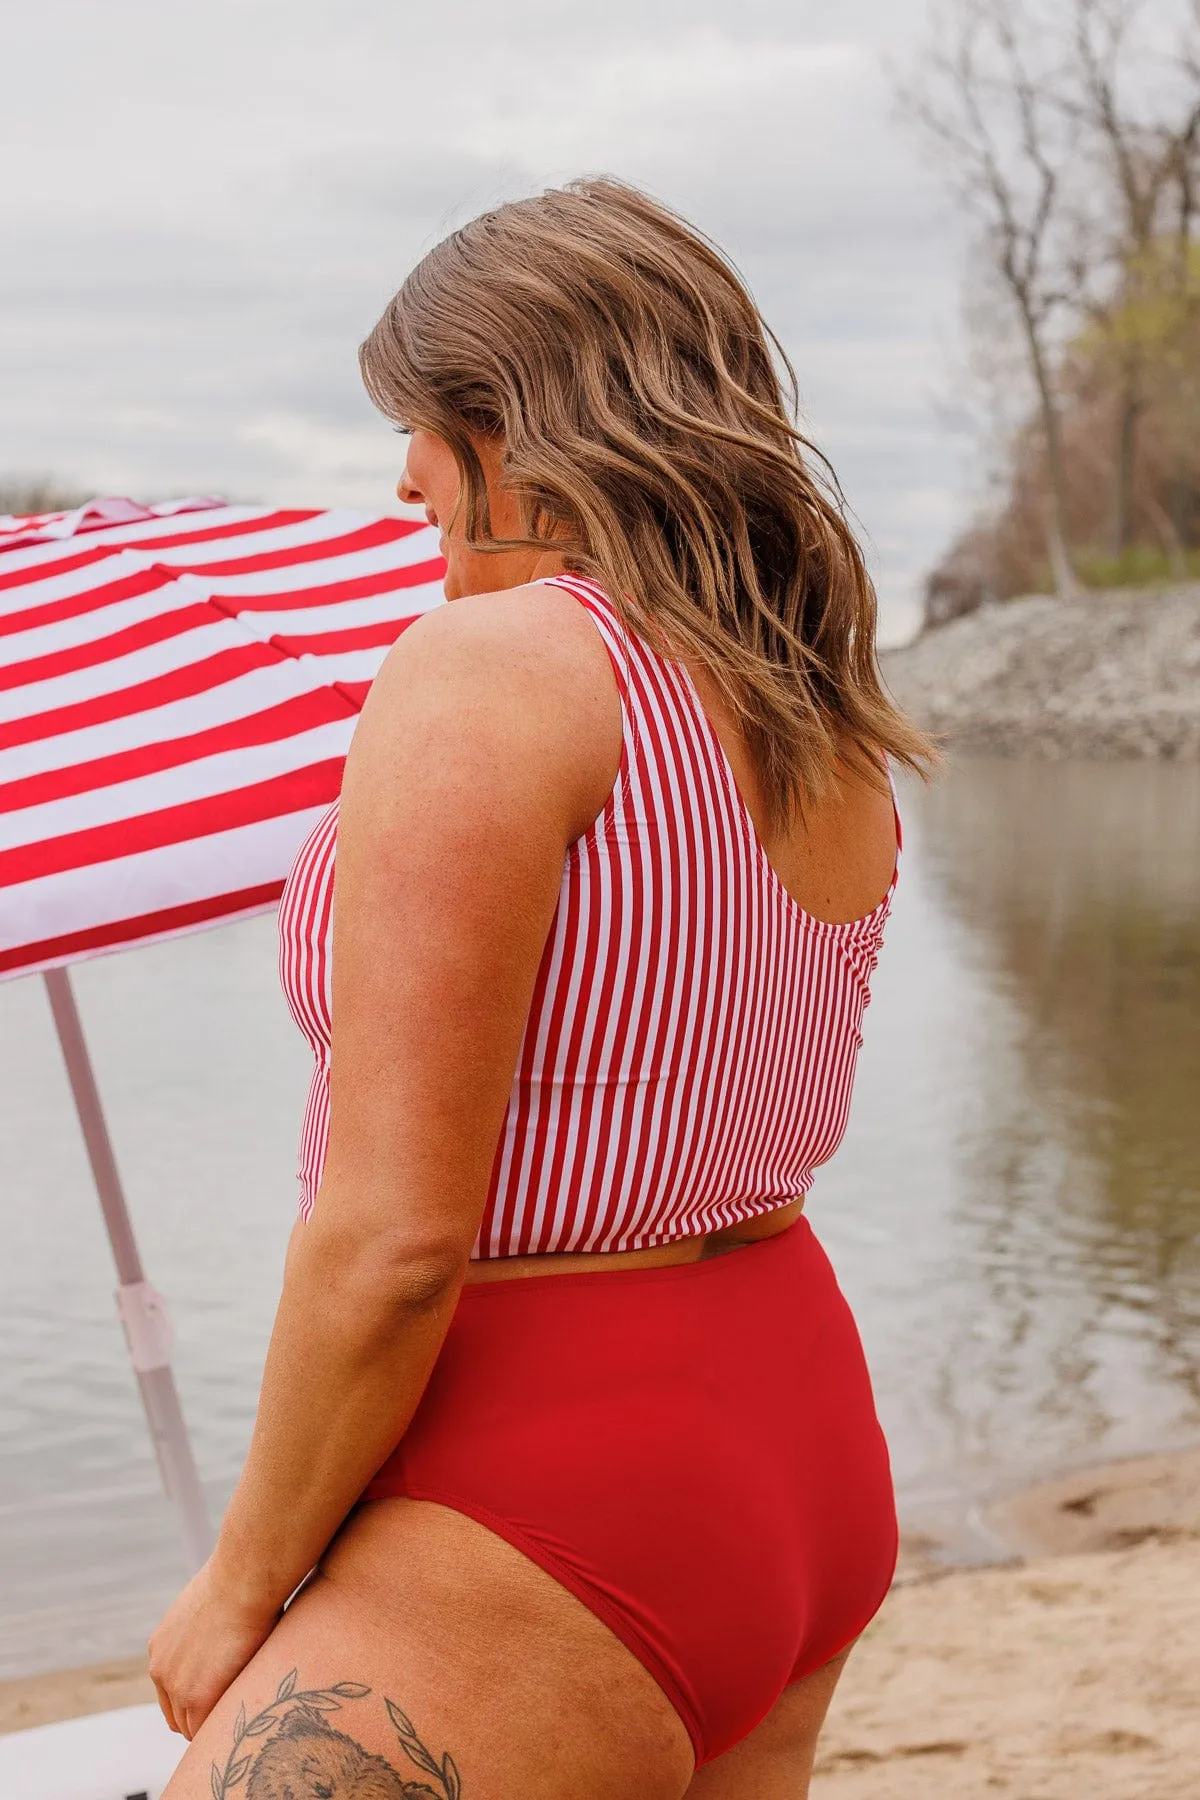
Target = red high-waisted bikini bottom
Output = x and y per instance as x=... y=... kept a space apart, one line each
x=692 y=1451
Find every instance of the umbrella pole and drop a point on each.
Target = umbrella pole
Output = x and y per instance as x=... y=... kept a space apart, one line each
x=142 y=1311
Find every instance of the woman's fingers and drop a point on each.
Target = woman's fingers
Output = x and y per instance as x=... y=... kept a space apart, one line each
x=184 y=1714
x=201 y=1645
x=165 y=1707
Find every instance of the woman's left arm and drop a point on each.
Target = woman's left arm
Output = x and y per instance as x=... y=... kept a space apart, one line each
x=488 y=744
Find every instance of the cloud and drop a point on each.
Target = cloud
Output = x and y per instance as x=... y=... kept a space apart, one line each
x=214 y=206
x=337 y=463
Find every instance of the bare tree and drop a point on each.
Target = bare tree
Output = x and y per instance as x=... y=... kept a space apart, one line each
x=988 y=103
x=37 y=494
x=1139 y=117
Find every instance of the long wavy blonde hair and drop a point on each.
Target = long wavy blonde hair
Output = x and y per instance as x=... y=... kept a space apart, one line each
x=650 y=436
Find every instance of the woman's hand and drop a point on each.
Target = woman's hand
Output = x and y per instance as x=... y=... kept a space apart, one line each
x=202 y=1645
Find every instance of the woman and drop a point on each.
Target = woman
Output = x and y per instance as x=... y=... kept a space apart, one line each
x=562 y=1401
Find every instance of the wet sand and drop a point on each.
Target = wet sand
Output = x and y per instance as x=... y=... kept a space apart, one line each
x=1069 y=1670
x=1114 y=1507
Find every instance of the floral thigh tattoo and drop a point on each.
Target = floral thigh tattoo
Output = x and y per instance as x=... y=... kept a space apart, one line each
x=290 y=1751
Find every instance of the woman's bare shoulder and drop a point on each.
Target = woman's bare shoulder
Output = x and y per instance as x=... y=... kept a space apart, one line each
x=519 y=674
x=517 y=630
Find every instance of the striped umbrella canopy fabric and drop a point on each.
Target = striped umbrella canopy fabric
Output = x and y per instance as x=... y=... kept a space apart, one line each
x=178 y=689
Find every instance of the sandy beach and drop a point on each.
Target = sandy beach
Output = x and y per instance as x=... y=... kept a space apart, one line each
x=1069 y=1670
x=1062 y=1678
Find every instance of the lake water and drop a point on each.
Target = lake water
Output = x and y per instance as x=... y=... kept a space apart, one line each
x=1014 y=1213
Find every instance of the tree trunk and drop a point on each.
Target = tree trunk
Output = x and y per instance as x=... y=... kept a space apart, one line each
x=1066 y=582
x=1123 y=468
x=1181 y=509
x=1169 y=532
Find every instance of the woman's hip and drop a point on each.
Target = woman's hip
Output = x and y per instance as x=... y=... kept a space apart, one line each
x=742 y=1375
x=693 y=1451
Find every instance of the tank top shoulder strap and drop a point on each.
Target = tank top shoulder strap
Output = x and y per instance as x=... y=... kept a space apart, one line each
x=887 y=765
x=612 y=629
x=629 y=657
x=623 y=648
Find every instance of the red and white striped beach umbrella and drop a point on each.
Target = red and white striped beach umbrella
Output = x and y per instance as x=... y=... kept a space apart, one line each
x=178 y=689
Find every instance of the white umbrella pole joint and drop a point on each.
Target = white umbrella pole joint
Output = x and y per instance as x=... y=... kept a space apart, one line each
x=142 y=1310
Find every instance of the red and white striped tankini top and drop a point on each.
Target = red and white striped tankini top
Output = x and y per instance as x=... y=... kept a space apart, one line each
x=693 y=1035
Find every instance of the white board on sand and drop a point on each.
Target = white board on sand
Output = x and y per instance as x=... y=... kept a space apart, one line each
x=124 y=1755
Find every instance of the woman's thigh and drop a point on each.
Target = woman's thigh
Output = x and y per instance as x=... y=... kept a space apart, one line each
x=430 y=1659
x=775 y=1761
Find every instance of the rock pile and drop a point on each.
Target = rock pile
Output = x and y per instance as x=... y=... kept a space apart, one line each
x=1113 y=674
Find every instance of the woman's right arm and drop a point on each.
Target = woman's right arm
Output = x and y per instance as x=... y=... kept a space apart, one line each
x=488 y=744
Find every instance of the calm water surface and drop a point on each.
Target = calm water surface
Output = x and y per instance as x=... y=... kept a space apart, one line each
x=1014 y=1213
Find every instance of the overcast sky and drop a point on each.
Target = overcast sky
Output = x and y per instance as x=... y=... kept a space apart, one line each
x=204 y=209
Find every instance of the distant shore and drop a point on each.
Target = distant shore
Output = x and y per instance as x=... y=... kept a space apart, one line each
x=1067 y=1670
x=1112 y=674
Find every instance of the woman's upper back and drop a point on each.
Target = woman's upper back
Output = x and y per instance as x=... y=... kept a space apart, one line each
x=690 y=1048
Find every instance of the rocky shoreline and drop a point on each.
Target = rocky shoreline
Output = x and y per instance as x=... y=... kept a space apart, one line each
x=1111 y=675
